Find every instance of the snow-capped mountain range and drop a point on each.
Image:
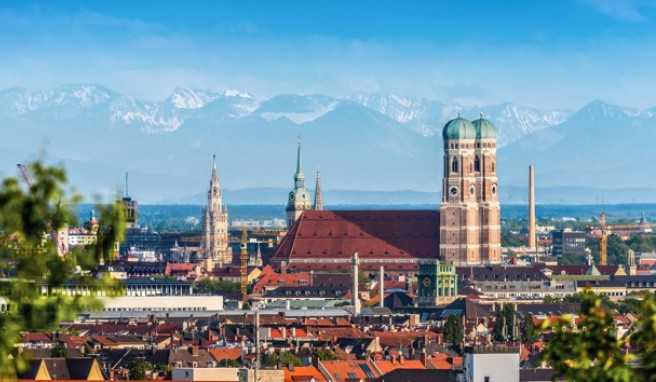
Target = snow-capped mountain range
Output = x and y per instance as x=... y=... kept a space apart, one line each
x=421 y=115
x=359 y=141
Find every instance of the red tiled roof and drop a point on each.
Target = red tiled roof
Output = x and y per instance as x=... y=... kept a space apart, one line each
x=269 y=278
x=36 y=337
x=581 y=269
x=384 y=235
x=220 y=354
x=303 y=374
x=178 y=268
x=349 y=370
x=387 y=366
x=444 y=362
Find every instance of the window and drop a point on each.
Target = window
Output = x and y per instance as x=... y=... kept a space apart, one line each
x=477 y=164
x=454 y=165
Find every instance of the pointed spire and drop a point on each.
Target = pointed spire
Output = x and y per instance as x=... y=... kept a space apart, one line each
x=318 y=199
x=299 y=171
x=214 y=173
x=127 y=194
x=258 y=256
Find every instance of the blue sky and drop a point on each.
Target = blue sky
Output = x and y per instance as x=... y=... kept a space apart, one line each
x=540 y=53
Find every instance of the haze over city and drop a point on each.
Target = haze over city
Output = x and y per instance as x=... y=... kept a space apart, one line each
x=376 y=82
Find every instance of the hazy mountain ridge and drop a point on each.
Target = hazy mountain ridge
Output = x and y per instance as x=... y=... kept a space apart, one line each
x=423 y=116
x=359 y=142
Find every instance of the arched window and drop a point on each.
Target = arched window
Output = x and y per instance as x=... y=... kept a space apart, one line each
x=477 y=163
x=493 y=167
x=454 y=165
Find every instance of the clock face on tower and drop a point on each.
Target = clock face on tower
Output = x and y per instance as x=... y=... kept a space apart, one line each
x=453 y=191
x=427 y=281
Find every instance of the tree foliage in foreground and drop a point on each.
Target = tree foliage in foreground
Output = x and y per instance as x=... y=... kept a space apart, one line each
x=590 y=348
x=32 y=274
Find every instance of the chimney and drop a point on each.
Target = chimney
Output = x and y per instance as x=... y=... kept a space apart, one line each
x=531 y=208
x=381 y=287
x=355 y=289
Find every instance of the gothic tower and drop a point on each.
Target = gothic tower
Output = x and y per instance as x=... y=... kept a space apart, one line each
x=318 y=198
x=470 y=213
x=299 y=197
x=215 y=225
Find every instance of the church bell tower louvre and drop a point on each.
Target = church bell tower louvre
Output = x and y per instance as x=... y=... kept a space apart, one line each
x=470 y=211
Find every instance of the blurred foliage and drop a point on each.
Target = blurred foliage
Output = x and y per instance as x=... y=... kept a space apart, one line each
x=32 y=273
x=590 y=349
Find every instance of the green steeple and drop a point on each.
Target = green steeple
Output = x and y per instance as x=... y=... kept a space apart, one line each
x=299 y=178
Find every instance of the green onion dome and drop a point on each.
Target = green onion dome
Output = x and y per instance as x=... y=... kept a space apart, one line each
x=484 y=129
x=459 y=128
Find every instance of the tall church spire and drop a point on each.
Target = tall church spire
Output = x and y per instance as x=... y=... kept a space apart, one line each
x=299 y=178
x=299 y=198
x=215 y=224
x=318 y=199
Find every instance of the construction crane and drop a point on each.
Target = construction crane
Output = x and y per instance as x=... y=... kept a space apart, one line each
x=24 y=174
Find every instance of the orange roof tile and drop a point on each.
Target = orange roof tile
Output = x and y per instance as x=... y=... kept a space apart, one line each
x=341 y=371
x=303 y=374
x=386 y=366
x=443 y=361
x=220 y=354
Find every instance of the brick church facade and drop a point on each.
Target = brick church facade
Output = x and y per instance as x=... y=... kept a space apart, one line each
x=465 y=230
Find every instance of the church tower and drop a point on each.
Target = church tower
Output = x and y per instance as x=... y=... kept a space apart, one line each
x=318 y=198
x=299 y=197
x=470 y=213
x=215 y=225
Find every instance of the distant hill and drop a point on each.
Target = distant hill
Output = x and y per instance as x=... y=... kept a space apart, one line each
x=509 y=195
x=359 y=142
